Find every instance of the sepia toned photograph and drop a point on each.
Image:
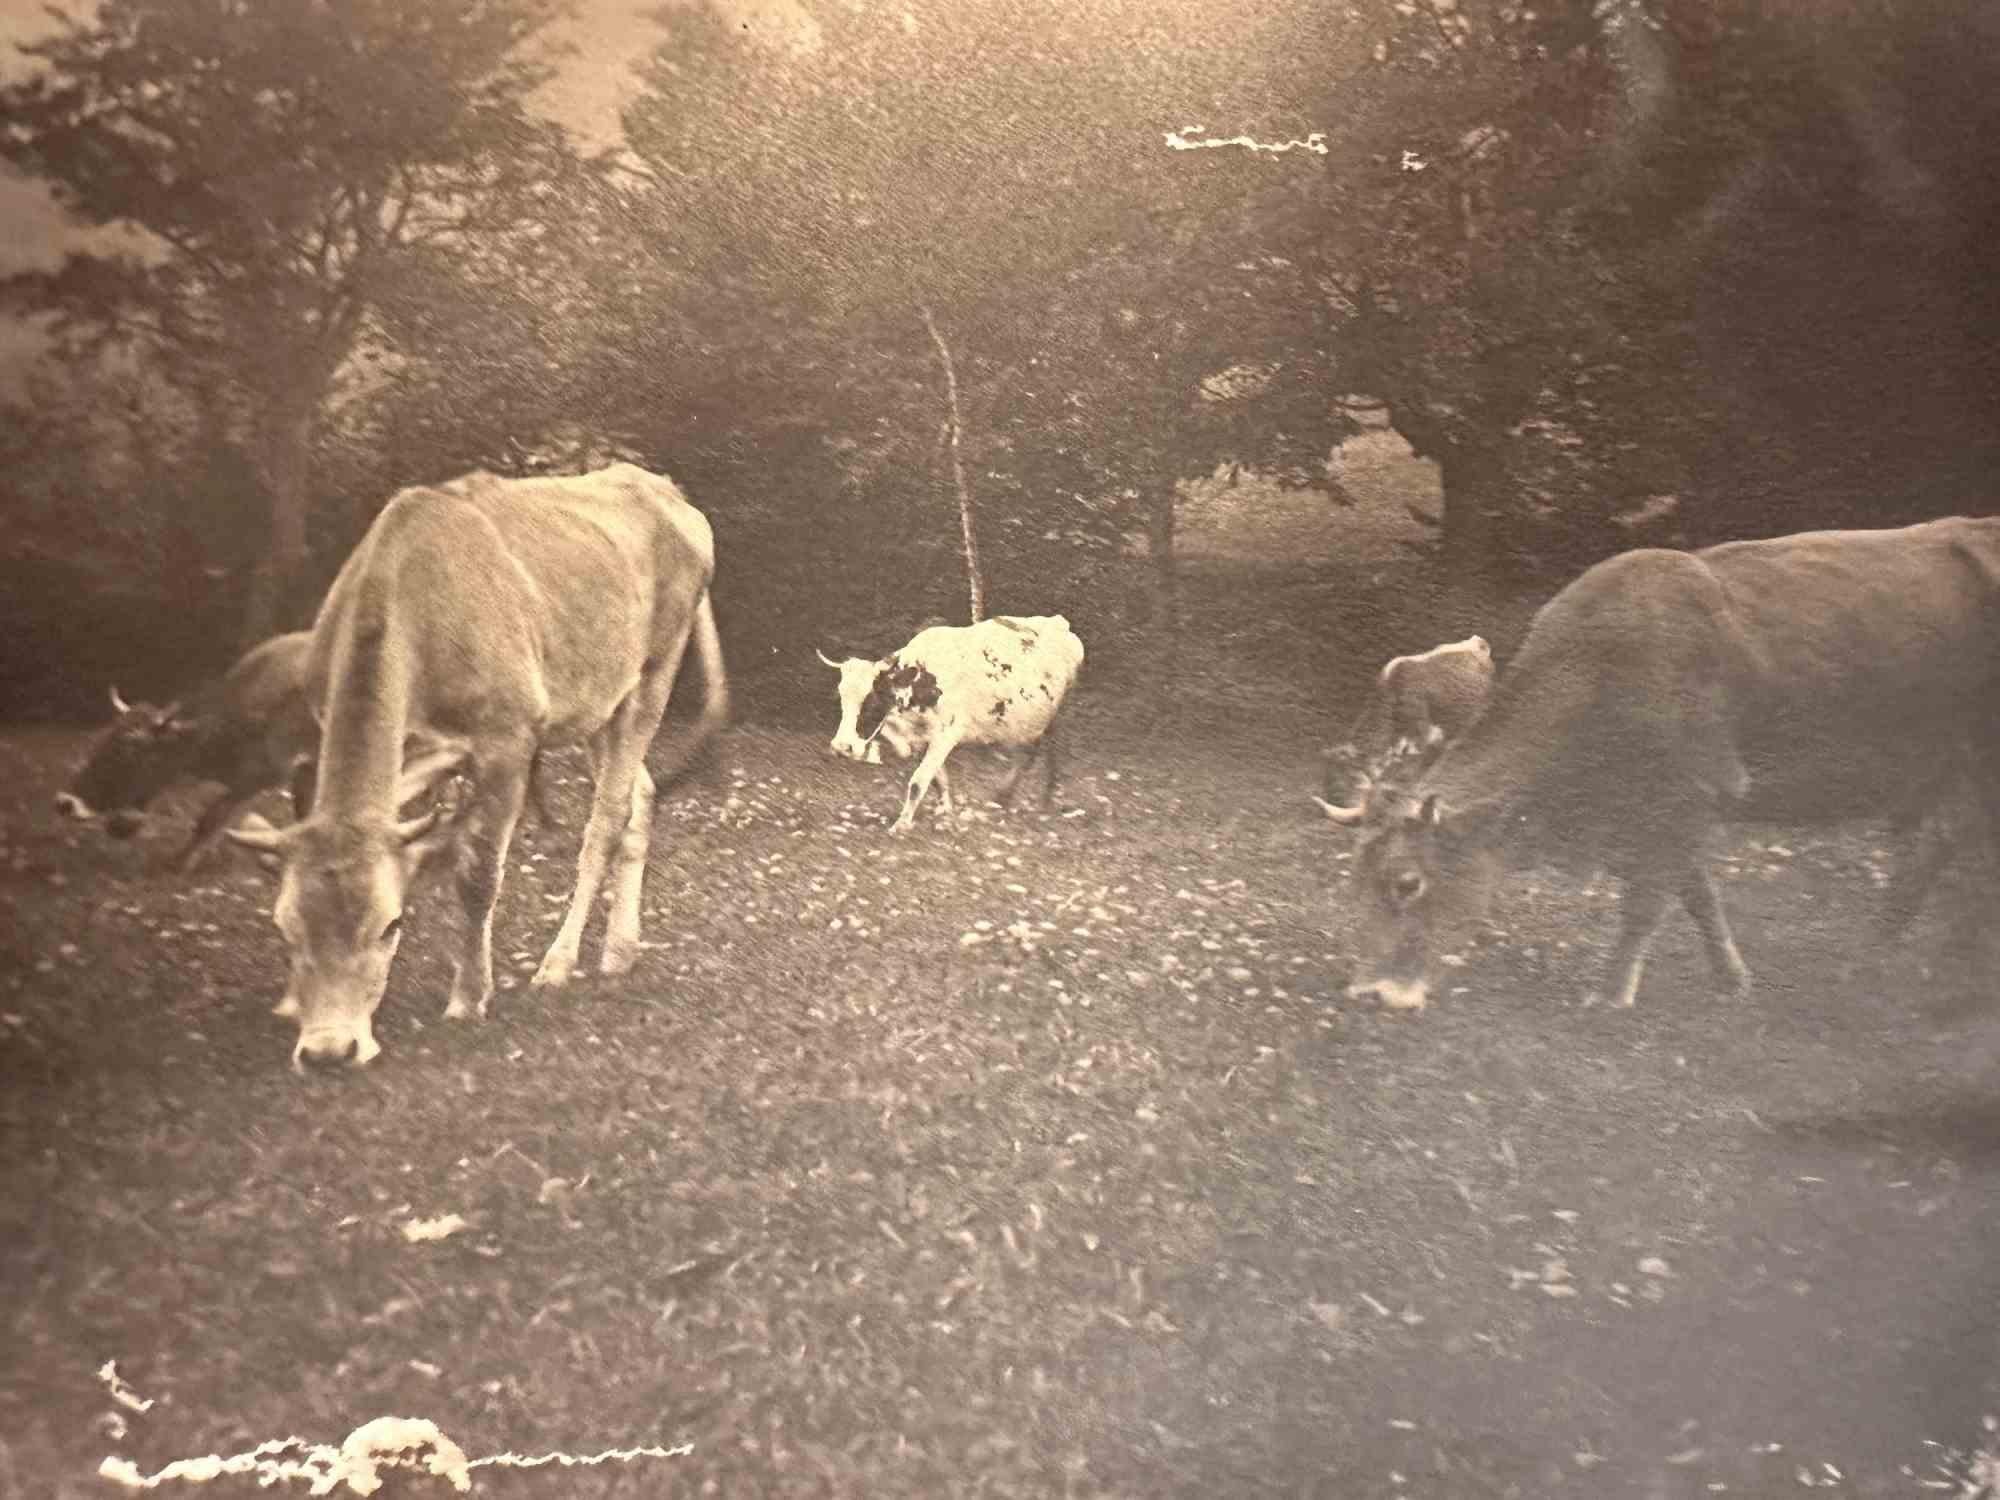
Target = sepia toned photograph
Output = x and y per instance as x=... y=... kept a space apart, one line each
x=1097 y=749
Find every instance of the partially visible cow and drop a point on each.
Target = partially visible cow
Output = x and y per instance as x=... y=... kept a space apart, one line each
x=1420 y=704
x=251 y=730
x=1001 y=682
x=475 y=625
x=1812 y=678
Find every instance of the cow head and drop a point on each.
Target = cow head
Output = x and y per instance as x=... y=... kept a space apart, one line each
x=1404 y=762
x=870 y=691
x=1424 y=874
x=145 y=750
x=340 y=908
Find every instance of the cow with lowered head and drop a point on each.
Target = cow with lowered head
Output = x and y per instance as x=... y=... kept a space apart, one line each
x=1001 y=682
x=1814 y=678
x=474 y=626
x=1420 y=704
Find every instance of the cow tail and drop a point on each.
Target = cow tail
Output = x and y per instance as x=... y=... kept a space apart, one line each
x=706 y=644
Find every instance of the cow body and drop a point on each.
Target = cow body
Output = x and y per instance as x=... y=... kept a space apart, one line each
x=1420 y=703
x=250 y=730
x=475 y=625
x=1812 y=678
x=1001 y=682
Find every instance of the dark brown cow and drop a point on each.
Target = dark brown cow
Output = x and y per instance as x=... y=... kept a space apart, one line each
x=1811 y=678
x=250 y=730
x=1420 y=704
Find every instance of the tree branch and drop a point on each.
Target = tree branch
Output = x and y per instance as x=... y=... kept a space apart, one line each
x=975 y=581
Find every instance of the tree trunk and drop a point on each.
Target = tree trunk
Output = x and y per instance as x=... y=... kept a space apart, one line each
x=975 y=580
x=1471 y=478
x=1163 y=580
x=284 y=460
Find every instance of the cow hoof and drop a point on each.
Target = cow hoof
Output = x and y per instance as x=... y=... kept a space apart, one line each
x=457 y=1010
x=900 y=826
x=618 y=961
x=553 y=974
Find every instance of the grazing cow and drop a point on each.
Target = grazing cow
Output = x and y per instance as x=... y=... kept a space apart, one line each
x=1811 y=678
x=1420 y=704
x=1000 y=682
x=472 y=627
x=250 y=730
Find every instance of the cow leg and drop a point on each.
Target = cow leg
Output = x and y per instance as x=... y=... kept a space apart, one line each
x=538 y=787
x=1051 y=746
x=484 y=829
x=1704 y=905
x=1029 y=755
x=1645 y=904
x=304 y=781
x=920 y=780
x=621 y=928
x=618 y=754
x=1923 y=852
x=210 y=827
x=944 y=786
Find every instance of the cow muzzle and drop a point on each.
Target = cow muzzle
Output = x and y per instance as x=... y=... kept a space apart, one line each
x=1391 y=994
x=120 y=823
x=847 y=747
x=328 y=1051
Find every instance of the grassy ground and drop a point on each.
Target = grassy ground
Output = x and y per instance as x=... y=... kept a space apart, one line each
x=1031 y=1155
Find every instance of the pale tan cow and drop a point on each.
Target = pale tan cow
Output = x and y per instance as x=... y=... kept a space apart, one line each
x=475 y=625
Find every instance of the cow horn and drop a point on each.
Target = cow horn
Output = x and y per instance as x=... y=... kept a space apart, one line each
x=1428 y=813
x=1345 y=816
x=825 y=658
x=118 y=704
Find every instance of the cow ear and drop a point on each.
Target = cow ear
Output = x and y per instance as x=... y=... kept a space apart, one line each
x=265 y=840
x=425 y=836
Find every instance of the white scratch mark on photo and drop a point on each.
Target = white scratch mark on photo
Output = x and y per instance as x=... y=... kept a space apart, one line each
x=122 y=1393
x=384 y=1443
x=1184 y=140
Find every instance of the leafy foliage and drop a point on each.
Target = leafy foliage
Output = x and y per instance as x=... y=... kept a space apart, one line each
x=285 y=163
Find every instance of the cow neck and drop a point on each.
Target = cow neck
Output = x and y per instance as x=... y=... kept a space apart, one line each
x=367 y=717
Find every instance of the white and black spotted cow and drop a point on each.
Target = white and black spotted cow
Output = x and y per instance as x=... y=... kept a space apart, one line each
x=1000 y=682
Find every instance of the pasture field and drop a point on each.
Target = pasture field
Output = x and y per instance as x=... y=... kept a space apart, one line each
x=1032 y=1155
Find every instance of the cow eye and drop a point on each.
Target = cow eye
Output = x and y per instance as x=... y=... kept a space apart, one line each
x=395 y=926
x=1409 y=884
